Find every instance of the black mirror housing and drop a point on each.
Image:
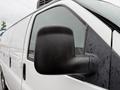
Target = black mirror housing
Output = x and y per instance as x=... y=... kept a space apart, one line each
x=55 y=53
x=55 y=45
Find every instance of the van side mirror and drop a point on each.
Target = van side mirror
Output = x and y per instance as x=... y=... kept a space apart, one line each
x=55 y=53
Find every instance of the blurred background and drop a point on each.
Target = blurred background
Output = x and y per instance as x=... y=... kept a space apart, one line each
x=13 y=10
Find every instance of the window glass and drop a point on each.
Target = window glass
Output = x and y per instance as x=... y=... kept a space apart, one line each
x=58 y=16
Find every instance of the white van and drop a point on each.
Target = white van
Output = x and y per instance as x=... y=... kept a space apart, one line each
x=64 y=45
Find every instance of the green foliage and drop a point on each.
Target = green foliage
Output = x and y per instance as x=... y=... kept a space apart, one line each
x=3 y=25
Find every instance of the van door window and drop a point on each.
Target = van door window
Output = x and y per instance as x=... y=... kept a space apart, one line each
x=96 y=45
x=58 y=16
x=86 y=40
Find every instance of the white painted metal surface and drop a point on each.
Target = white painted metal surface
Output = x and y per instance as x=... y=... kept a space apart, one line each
x=116 y=42
x=18 y=51
x=12 y=47
x=63 y=82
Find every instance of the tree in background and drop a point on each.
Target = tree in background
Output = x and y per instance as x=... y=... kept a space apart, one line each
x=3 y=25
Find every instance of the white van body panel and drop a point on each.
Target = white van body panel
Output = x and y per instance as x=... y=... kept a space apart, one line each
x=18 y=53
x=12 y=81
x=12 y=48
x=37 y=81
x=116 y=44
x=34 y=80
x=4 y=61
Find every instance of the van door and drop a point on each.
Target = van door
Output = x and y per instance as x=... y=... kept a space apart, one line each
x=96 y=43
x=16 y=53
